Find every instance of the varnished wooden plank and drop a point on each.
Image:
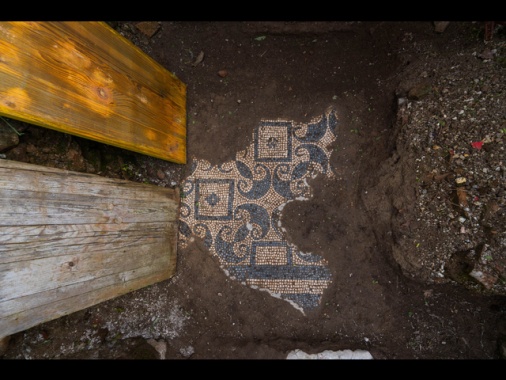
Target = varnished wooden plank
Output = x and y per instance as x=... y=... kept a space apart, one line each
x=71 y=240
x=85 y=79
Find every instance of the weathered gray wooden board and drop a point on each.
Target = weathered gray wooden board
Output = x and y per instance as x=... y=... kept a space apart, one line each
x=71 y=240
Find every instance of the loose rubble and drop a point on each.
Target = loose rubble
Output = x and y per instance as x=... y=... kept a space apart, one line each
x=452 y=128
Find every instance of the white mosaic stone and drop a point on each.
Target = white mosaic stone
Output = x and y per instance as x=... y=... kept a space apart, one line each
x=330 y=355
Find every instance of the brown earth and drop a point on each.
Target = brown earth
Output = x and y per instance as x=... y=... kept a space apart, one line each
x=401 y=264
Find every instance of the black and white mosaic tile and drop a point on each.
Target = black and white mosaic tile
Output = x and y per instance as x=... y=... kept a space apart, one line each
x=235 y=208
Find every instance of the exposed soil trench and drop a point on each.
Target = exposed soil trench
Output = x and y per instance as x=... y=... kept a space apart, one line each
x=363 y=220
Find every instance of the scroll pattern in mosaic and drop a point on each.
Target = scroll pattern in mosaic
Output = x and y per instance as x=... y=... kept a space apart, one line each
x=236 y=207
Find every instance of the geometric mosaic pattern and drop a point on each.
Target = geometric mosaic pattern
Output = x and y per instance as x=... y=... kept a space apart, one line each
x=235 y=208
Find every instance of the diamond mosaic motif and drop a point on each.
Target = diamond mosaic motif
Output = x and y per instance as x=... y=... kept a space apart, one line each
x=273 y=142
x=235 y=208
x=214 y=199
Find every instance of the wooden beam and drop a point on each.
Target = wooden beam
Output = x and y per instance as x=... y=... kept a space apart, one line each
x=71 y=240
x=85 y=79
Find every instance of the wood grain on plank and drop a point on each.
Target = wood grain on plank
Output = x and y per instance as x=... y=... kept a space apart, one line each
x=71 y=240
x=85 y=79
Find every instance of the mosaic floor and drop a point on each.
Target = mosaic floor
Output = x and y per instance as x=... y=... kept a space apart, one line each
x=236 y=207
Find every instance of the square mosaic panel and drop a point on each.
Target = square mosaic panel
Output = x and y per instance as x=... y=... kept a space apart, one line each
x=273 y=142
x=214 y=199
x=235 y=208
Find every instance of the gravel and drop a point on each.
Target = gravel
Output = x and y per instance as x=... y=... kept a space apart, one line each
x=452 y=132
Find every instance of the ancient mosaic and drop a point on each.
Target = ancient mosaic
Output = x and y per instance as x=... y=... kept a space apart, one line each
x=235 y=208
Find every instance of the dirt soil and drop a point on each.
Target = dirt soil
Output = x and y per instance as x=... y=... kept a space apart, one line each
x=412 y=224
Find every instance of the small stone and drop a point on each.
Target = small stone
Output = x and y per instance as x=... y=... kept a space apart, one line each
x=160 y=347
x=462 y=196
x=187 y=351
x=419 y=91
x=73 y=155
x=440 y=26
x=8 y=138
x=486 y=54
x=460 y=180
x=199 y=59
x=30 y=148
x=149 y=28
x=160 y=174
x=486 y=279
x=223 y=73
